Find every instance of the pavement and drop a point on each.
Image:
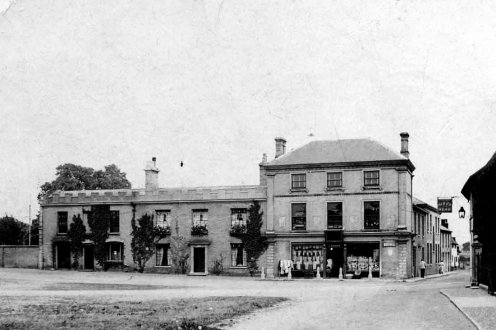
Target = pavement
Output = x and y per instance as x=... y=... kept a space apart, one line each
x=475 y=303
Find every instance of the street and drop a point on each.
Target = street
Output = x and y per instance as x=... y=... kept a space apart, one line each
x=313 y=304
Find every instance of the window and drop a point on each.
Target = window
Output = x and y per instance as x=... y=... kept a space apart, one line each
x=200 y=218
x=62 y=222
x=299 y=216
x=238 y=217
x=307 y=256
x=163 y=218
x=298 y=181
x=115 y=251
x=335 y=215
x=334 y=180
x=371 y=215
x=371 y=178
x=114 y=222
x=162 y=255
x=238 y=255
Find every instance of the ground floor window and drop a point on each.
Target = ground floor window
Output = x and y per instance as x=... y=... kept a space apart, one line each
x=307 y=256
x=115 y=251
x=238 y=255
x=361 y=256
x=162 y=255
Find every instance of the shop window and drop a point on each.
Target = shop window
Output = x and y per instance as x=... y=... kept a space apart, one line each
x=62 y=222
x=334 y=180
x=115 y=252
x=361 y=256
x=238 y=255
x=238 y=217
x=371 y=215
x=335 y=215
x=307 y=256
x=299 y=216
x=162 y=255
x=114 y=222
x=298 y=181
x=163 y=218
x=371 y=178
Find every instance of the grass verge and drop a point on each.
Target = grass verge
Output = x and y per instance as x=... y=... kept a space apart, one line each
x=191 y=313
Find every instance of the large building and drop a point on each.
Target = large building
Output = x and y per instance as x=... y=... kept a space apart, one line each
x=327 y=205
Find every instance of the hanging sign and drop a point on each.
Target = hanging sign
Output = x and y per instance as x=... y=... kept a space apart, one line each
x=444 y=205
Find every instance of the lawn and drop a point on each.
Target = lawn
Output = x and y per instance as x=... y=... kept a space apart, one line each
x=85 y=313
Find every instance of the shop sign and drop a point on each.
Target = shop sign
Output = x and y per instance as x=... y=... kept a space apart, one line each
x=444 y=205
x=389 y=243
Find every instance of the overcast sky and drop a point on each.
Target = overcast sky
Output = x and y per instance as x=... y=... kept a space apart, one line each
x=212 y=83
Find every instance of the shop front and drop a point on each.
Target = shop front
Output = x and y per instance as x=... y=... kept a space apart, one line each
x=362 y=257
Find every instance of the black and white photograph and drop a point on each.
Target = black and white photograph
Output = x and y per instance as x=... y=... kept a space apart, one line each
x=247 y=164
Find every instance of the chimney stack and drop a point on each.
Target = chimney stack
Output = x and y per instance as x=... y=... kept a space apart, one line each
x=280 y=146
x=151 y=176
x=404 y=144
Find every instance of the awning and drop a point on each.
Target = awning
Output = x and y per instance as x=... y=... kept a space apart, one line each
x=114 y=239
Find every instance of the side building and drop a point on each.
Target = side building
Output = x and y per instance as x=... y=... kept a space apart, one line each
x=205 y=217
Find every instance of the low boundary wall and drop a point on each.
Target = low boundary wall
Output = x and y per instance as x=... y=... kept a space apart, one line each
x=19 y=256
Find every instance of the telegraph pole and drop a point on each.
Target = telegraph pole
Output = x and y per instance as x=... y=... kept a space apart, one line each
x=29 y=219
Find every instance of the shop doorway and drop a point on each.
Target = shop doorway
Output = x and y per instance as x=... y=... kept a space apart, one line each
x=63 y=255
x=198 y=260
x=335 y=259
x=89 y=257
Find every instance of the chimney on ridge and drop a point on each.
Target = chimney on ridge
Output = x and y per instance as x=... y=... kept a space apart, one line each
x=151 y=176
x=280 y=146
x=404 y=144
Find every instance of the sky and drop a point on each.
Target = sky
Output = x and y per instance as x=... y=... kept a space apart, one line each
x=212 y=83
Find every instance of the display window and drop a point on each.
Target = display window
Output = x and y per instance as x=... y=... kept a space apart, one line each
x=361 y=256
x=307 y=256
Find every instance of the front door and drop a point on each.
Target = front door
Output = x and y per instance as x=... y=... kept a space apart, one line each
x=89 y=257
x=63 y=255
x=199 y=260
x=336 y=256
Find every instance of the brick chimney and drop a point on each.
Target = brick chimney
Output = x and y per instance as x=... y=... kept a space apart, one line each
x=404 y=144
x=280 y=146
x=151 y=176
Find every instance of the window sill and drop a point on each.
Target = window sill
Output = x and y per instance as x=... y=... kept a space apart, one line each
x=372 y=229
x=114 y=233
x=298 y=230
x=61 y=234
x=371 y=188
x=239 y=267
x=298 y=190
x=162 y=266
x=335 y=189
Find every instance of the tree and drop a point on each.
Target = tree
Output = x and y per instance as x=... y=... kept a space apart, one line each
x=254 y=242
x=77 y=235
x=179 y=252
x=35 y=234
x=466 y=247
x=144 y=237
x=76 y=177
x=99 y=223
x=13 y=231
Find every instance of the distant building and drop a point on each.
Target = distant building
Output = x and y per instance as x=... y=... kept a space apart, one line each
x=479 y=190
x=445 y=242
x=427 y=241
x=455 y=251
x=344 y=204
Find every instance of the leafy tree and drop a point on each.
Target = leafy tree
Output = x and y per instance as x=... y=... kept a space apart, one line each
x=35 y=234
x=144 y=237
x=254 y=242
x=466 y=247
x=99 y=223
x=77 y=234
x=12 y=231
x=76 y=177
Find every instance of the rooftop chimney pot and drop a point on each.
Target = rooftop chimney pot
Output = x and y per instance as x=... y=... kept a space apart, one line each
x=404 y=144
x=280 y=146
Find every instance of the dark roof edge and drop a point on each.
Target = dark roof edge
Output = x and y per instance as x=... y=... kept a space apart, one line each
x=394 y=162
x=477 y=176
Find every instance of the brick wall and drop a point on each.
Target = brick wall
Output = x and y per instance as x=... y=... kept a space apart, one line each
x=19 y=256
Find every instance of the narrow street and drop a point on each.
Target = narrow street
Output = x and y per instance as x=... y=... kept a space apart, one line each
x=365 y=305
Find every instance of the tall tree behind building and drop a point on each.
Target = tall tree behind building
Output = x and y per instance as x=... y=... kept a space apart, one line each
x=76 y=177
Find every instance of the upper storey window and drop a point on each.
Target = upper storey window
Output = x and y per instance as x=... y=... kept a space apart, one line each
x=114 y=222
x=298 y=181
x=62 y=222
x=371 y=215
x=163 y=218
x=298 y=216
x=371 y=178
x=334 y=180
